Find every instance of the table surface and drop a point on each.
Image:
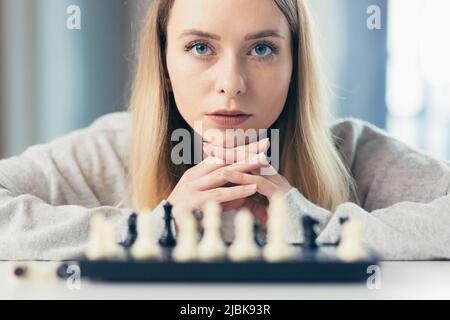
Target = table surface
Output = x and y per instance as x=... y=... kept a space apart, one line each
x=398 y=280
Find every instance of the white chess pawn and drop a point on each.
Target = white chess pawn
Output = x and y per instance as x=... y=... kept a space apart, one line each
x=277 y=248
x=145 y=246
x=212 y=246
x=350 y=247
x=111 y=249
x=187 y=243
x=96 y=246
x=244 y=246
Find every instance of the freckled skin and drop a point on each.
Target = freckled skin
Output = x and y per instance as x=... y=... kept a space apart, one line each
x=229 y=73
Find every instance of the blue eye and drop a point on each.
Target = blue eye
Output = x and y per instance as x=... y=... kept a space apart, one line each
x=200 y=48
x=264 y=50
x=261 y=49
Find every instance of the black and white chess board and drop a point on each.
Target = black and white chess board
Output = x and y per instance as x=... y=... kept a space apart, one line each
x=204 y=257
x=309 y=265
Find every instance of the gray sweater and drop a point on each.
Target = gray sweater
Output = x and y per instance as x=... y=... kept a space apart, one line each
x=49 y=193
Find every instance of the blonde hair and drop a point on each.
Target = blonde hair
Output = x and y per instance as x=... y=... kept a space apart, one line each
x=309 y=159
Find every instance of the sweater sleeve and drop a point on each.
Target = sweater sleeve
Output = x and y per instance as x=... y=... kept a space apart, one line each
x=49 y=193
x=404 y=231
x=31 y=229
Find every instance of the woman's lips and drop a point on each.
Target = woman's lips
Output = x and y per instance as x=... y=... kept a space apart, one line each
x=228 y=120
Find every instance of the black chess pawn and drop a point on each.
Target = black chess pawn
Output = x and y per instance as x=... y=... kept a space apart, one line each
x=309 y=232
x=257 y=233
x=198 y=217
x=167 y=238
x=132 y=231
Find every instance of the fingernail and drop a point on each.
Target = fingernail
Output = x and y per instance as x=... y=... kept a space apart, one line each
x=254 y=158
x=250 y=187
x=263 y=143
x=210 y=150
x=262 y=158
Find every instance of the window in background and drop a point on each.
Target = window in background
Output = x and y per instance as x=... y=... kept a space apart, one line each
x=55 y=79
x=418 y=75
x=353 y=57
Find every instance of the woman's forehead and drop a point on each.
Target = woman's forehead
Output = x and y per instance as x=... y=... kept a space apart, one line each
x=226 y=17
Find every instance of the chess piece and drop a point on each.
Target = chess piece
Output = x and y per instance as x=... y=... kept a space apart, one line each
x=244 y=246
x=277 y=248
x=350 y=246
x=309 y=233
x=145 y=246
x=186 y=248
x=132 y=231
x=112 y=249
x=167 y=238
x=198 y=218
x=95 y=246
x=257 y=233
x=211 y=246
x=102 y=244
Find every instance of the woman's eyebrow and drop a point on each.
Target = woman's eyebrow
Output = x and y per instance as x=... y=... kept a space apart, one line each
x=250 y=36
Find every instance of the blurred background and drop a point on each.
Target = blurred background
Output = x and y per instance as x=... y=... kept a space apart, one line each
x=54 y=80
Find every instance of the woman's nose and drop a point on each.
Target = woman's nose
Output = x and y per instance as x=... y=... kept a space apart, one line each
x=230 y=78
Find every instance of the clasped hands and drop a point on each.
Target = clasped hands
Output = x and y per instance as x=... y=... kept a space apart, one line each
x=245 y=166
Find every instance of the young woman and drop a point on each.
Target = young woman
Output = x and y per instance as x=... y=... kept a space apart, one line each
x=214 y=66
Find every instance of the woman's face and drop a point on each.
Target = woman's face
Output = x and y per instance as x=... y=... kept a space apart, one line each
x=229 y=62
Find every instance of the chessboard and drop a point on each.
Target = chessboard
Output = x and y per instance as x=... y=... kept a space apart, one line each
x=310 y=265
x=193 y=256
